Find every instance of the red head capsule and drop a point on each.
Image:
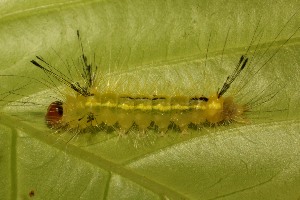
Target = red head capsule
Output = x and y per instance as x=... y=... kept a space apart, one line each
x=54 y=114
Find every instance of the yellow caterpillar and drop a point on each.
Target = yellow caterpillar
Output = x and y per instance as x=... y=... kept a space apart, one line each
x=87 y=107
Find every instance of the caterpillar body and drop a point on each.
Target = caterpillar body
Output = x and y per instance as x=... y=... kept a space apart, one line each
x=85 y=107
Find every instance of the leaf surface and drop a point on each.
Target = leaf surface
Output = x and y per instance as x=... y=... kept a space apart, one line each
x=182 y=43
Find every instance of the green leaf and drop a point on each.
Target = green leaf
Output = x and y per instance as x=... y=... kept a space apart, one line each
x=178 y=46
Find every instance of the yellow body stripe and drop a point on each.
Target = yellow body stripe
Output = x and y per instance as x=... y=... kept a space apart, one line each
x=158 y=107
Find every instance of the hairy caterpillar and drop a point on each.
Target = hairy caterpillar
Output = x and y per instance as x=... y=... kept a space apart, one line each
x=87 y=107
